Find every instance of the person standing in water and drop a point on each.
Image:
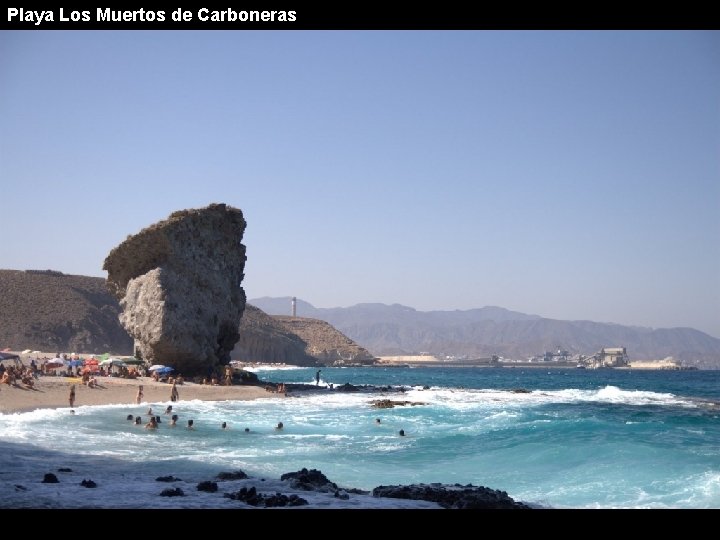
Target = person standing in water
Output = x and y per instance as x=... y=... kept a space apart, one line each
x=317 y=377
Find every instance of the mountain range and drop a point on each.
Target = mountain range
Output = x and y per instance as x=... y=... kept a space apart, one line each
x=398 y=330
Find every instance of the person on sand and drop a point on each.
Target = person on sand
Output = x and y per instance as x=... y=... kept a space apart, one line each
x=140 y=394
x=71 y=397
x=228 y=375
x=174 y=394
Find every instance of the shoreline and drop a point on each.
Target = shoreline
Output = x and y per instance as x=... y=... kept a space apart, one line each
x=52 y=392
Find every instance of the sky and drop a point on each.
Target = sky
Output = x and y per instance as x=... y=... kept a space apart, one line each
x=569 y=174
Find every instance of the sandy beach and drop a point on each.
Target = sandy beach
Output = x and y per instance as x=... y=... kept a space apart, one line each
x=52 y=392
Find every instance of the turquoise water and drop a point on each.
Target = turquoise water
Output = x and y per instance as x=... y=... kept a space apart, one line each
x=551 y=437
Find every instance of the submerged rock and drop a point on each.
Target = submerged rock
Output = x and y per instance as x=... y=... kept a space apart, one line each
x=179 y=287
x=50 y=478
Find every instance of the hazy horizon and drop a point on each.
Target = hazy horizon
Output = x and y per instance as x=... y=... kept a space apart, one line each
x=569 y=174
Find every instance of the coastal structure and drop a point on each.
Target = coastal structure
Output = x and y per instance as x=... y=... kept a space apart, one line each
x=607 y=357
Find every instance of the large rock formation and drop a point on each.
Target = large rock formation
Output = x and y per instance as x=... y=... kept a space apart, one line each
x=179 y=286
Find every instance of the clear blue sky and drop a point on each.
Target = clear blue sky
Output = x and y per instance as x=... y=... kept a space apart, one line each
x=574 y=175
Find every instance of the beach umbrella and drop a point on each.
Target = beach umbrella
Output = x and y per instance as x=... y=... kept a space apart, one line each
x=164 y=370
x=113 y=362
x=156 y=366
x=134 y=361
x=55 y=363
x=26 y=351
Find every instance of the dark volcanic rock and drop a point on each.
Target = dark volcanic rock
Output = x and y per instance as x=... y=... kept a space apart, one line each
x=253 y=498
x=170 y=492
x=312 y=480
x=50 y=478
x=235 y=475
x=452 y=496
x=210 y=487
x=179 y=286
x=88 y=484
x=170 y=478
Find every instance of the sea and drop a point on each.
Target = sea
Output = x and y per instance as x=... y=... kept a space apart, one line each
x=548 y=437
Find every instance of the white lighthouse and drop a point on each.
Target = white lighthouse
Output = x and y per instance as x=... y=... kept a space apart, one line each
x=294 y=306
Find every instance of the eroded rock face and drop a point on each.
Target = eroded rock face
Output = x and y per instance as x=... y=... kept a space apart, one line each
x=179 y=286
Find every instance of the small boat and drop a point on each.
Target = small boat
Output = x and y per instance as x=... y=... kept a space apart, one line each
x=580 y=366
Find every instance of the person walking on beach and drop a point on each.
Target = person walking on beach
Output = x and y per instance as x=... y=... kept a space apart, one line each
x=140 y=394
x=228 y=375
x=71 y=398
x=174 y=394
x=317 y=377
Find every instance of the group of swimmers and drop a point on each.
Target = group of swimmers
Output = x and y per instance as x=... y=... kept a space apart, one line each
x=155 y=420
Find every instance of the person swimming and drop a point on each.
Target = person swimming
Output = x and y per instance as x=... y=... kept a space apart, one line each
x=138 y=420
x=173 y=420
x=279 y=426
x=247 y=430
x=224 y=425
x=168 y=410
x=130 y=417
x=190 y=424
x=401 y=432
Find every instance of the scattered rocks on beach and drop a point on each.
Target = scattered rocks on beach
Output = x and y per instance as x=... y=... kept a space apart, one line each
x=234 y=475
x=172 y=492
x=253 y=498
x=170 y=478
x=453 y=496
x=50 y=478
x=208 y=486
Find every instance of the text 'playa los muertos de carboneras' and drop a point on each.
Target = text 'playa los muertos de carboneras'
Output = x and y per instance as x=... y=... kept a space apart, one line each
x=107 y=15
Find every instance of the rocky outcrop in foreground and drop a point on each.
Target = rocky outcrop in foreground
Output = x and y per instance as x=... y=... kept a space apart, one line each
x=179 y=286
x=456 y=496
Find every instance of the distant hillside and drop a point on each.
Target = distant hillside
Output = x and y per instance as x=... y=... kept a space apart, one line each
x=396 y=329
x=50 y=311
x=324 y=342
